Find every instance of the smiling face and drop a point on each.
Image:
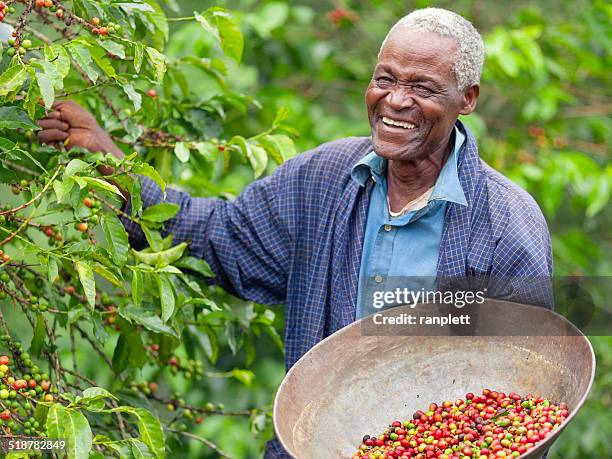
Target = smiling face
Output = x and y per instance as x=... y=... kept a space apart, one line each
x=413 y=99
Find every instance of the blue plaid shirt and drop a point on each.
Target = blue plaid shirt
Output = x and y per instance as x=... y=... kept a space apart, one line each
x=296 y=236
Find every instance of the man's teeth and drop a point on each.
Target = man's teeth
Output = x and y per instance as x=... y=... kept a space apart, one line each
x=398 y=123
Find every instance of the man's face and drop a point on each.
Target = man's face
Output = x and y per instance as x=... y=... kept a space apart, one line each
x=413 y=100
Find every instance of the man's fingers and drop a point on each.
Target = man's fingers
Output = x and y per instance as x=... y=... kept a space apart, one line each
x=52 y=135
x=53 y=124
x=54 y=115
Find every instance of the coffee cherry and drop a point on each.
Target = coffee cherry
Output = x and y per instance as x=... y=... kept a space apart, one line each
x=153 y=387
x=152 y=93
x=11 y=51
x=48 y=398
x=103 y=31
x=4 y=394
x=82 y=227
x=4 y=360
x=95 y=31
x=87 y=202
x=45 y=385
x=173 y=361
x=27 y=44
x=5 y=415
x=95 y=21
x=70 y=290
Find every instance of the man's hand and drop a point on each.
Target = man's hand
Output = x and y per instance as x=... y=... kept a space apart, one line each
x=76 y=127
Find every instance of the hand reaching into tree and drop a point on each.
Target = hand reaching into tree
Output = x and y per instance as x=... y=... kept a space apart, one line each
x=72 y=124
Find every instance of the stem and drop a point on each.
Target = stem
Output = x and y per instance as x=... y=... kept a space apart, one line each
x=208 y=443
x=23 y=206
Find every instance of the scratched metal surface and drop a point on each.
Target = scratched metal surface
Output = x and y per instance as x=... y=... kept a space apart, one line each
x=349 y=384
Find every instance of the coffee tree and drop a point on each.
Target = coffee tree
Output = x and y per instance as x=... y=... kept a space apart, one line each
x=69 y=280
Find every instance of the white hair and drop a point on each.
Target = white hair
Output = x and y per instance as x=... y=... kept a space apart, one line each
x=468 y=61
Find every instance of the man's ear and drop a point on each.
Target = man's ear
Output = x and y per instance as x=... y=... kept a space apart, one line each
x=470 y=98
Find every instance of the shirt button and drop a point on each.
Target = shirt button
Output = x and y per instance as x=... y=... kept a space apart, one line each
x=388 y=227
x=378 y=278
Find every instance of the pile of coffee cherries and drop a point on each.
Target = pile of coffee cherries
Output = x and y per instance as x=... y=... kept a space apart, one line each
x=488 y=426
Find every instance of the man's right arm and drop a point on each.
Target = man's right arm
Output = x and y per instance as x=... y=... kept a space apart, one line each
x=245 y=241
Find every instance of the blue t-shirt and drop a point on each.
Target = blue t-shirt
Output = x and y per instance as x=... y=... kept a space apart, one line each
x=408 y=245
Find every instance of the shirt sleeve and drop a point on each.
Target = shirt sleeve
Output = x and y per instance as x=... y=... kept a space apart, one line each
x=523 y=261
x=244 y=241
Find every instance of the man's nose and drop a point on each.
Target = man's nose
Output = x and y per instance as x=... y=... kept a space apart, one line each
x=399 y=98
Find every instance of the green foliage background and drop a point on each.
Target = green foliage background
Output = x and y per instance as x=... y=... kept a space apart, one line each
x=543 y=119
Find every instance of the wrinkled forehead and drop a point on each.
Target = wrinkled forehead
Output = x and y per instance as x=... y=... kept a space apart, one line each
x=406 y=50
x=409 y=40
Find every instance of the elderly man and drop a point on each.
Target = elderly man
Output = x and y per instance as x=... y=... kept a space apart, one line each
x=414 y=199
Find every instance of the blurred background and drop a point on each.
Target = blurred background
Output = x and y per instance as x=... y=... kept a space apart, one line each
x=543 y=119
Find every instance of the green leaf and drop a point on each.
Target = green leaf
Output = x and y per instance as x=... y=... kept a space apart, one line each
x=150 y=429
x=207 y=150
x=15 y=117
x=39 y=336
x=87 y=281
x=32 y=96
x=153 y=237
x=116 y=237
x=101 y=184
x=52 y=269
x=82 y=56
x=121 y=355
x=163 y=258
x=62 y=190
x=147 y=320
x=255 y=154
x=208 y=340
x=72 y=426
x=181 y=151
x=160 y=212
x=46 y=88
x=231 y=335
x=244 y=376
x=219 y=22
x=93 y=398
x=599 y=196
x=149 y=171
x=58 y=56
x=113 y=47
x=101 y=59
x=158 y=61
x=75 y=166
x=12 y=79
x=195 y=264
x=166 y=296
x=133 y=95
x=137 y=287
x=129 y=350
x=279 y=146
x=138 y=56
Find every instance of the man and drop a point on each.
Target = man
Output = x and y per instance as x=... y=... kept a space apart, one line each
x=412 y=200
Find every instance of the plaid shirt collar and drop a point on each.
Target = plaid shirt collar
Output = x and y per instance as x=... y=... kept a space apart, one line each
x=447 y=186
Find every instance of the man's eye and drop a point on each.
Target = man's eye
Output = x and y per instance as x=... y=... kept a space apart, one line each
x=384 y=81
x=422 y=89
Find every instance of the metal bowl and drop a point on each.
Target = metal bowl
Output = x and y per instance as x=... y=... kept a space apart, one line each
x=350 y=384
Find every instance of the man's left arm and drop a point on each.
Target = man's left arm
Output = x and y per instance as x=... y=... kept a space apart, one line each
x=522 y=260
